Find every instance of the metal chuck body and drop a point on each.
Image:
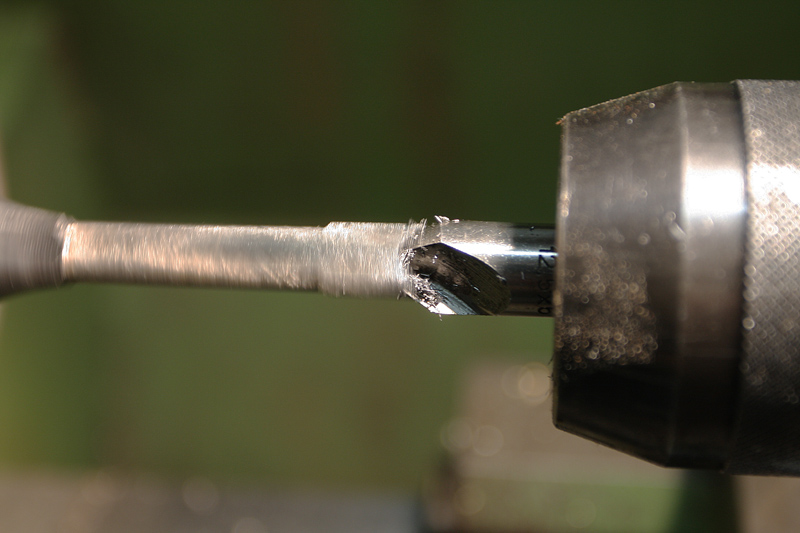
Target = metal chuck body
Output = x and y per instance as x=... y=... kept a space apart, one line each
x=678 y=247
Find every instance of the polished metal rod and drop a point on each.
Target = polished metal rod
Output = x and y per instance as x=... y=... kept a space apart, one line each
x=342 y=258
x=450 y=266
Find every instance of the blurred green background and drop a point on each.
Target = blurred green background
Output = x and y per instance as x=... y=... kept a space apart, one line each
x=300 y=113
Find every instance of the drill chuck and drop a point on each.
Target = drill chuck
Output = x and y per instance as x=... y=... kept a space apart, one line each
x=677 y=302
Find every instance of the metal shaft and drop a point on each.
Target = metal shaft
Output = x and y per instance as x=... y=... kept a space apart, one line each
x=345 y=258
x=450 y=267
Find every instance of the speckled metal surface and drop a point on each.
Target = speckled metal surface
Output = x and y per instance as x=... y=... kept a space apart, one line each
x=767 y=434
x=648 y=299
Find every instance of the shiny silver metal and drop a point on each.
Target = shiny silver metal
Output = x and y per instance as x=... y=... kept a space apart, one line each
x=508 y=268
x=521 y=256
x=340 y=259
x=650 y=233
x=40 y=249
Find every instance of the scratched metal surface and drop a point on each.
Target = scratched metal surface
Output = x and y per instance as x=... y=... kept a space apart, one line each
x=341 y=259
